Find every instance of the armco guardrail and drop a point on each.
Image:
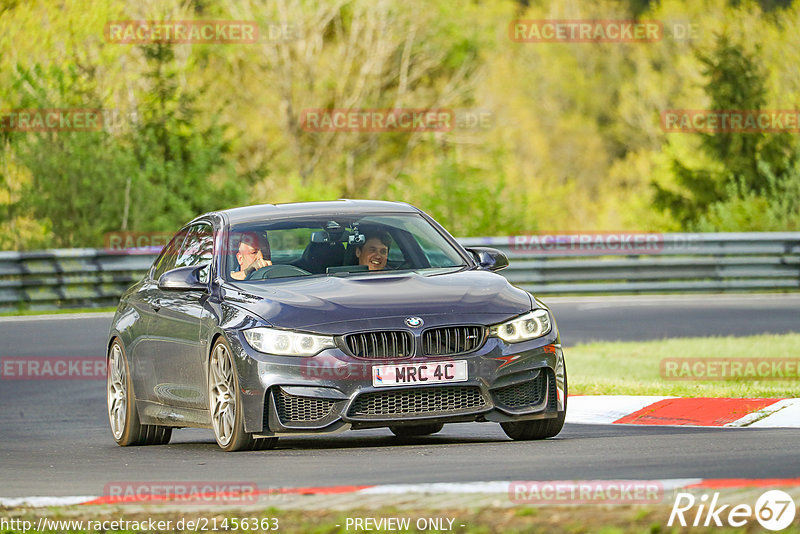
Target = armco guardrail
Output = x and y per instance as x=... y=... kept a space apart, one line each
x=554 y=264
x=650 y=263
x=51 y=279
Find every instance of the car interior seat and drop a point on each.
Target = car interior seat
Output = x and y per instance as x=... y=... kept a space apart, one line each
x=317 y=257
x=350 y=255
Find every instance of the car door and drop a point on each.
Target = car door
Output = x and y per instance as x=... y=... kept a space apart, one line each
x=179 y=359
x=146 y=367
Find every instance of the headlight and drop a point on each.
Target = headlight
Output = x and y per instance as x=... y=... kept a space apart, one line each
x=286 y=343
x=529 y=326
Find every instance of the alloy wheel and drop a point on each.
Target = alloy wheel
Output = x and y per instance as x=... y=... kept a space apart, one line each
x=223 y=394
x=117 y=392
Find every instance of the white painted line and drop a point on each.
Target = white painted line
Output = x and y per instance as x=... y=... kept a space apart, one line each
x=501 y=486
x=489 y=487
x=752 y=417
x=670 y=484
x=656 y=299
x=38 y=502
x=787 y=415
x=51 y=316
x=498 y=486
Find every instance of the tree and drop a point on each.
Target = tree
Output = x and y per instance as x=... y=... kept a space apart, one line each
x=749 y=164
x=181 y=155
x=158 y=170
x=76 y=177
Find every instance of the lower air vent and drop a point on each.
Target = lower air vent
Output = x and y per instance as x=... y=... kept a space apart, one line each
x=419 y=401
x=523 y=395
x=296 y=409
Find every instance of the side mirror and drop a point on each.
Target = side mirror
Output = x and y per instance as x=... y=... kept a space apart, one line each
x=184 y=278
x=490 y=259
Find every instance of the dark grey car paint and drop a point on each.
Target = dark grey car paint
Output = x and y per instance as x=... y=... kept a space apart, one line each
x=168 y=334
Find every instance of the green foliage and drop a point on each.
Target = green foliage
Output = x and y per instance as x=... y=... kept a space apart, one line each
x=574 y=142
x=75 y=176
x=736 y=192
x=163 y=171
x=777 y=208
x=458 y=199
x=181 y=165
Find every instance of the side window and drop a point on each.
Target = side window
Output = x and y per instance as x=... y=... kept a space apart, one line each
x=169 y=255
x=433 y=252
x=198 y=247
x=288 y=245
x=396 y=256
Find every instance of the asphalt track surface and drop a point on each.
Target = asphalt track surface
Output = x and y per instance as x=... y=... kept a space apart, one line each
x=55 y=441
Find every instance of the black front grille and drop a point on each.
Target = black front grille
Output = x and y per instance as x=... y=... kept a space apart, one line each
x=382 y=344
x=523 y=395
x=294 y=408
x=420 y=401
x=451 y=340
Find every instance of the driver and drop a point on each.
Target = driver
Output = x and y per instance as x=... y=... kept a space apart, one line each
x=374 y=251
x=253 y=254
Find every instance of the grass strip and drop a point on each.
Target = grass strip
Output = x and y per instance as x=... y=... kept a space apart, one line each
x=635 y=368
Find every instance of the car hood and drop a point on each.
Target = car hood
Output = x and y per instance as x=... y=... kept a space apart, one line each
x=337 y=305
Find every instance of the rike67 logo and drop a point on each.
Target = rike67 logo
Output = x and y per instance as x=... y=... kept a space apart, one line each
x=774 y=510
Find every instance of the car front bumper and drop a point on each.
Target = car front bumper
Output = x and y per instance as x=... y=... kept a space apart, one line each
x=333 y=391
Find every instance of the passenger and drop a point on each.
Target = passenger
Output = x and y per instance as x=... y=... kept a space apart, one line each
x=254 y=253
x=374 y=251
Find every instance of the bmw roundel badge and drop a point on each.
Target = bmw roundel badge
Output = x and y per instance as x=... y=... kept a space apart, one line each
x=414 y=322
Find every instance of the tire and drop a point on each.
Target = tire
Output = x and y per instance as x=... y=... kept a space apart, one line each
x=225 y=403
x=407 y=431
x=539 y=428
x=121 y=400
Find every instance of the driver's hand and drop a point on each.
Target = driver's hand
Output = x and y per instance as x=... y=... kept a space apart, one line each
x=259 y=263
x=256 y=264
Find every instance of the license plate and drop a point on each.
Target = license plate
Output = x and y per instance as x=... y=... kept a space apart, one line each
x=419 y=373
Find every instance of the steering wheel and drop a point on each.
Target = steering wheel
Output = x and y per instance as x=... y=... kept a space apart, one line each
x=277 y=271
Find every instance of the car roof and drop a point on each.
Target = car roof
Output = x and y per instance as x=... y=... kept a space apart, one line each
x=323 y=208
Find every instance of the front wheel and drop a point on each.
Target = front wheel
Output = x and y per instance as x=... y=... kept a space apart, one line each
x=122 y=413
x=225 y=403
x=539 y=428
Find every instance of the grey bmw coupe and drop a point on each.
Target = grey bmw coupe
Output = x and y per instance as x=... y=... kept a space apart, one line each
x=279 y=320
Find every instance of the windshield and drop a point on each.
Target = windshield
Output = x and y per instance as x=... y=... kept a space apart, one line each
x=340 y=246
